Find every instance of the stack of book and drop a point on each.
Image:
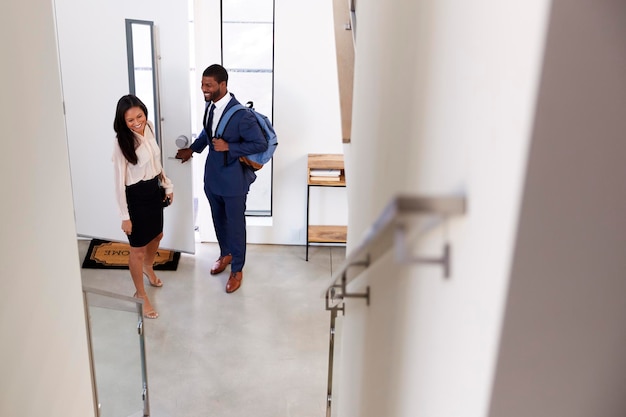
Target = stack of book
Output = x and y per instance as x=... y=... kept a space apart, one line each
x=329 y=175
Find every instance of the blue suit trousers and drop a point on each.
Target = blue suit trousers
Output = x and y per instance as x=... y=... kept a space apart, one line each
x=229 y=221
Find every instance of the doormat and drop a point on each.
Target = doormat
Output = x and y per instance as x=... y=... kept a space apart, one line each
x=103 y=254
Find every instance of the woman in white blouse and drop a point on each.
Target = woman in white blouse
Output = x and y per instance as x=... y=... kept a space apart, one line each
x=138 y=172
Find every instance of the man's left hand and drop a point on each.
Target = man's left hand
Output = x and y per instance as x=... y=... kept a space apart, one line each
x=220 y=145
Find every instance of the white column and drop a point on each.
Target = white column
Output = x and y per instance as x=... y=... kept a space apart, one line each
x=43 y=343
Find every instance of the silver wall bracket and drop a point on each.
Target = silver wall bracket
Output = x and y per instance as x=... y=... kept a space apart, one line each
x=346 y=294
x=334 y=299
x=404 y=256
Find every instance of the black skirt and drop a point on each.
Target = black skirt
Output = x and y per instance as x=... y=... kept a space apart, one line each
x=146 y=211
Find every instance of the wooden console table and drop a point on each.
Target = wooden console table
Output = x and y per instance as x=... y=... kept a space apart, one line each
x=324 y=233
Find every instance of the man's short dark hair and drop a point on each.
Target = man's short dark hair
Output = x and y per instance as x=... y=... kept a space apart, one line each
x=217 y=72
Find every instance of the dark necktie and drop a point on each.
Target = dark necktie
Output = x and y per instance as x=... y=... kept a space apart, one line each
x=208 y=127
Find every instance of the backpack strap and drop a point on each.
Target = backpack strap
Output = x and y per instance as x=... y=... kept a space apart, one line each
x=221 y=125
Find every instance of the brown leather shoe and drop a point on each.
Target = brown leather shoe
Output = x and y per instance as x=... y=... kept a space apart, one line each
x=234 y=282
x=221 y=264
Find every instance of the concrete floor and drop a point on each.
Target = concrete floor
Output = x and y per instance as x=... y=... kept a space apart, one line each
x=261 y=351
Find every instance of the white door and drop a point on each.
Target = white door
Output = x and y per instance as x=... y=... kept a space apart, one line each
x=95 y=74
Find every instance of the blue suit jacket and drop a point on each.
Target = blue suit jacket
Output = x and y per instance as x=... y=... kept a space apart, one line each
x=227 y=176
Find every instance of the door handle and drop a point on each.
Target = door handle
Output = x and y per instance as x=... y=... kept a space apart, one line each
x=182 y=141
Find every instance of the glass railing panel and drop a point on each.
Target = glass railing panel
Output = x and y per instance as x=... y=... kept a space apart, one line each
x=118 y=356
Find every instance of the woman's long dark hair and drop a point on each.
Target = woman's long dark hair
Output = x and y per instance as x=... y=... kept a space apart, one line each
x=125 y=136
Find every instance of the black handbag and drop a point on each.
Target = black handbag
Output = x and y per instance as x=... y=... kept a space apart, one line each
x=166 y=200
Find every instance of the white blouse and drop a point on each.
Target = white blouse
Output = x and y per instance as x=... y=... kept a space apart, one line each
x=148 y=166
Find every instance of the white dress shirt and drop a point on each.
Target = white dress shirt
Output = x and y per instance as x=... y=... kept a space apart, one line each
x=220 y=105
x=147 y=167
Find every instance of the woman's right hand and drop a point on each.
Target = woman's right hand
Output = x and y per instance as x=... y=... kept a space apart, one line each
x=127 y=227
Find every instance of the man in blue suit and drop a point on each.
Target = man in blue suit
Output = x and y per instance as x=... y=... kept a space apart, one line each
x=226 y=180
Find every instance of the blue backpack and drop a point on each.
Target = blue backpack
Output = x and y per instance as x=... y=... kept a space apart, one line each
x=257 y=160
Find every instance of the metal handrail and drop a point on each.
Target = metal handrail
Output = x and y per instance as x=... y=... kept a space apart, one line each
x=390 y=230
x=115 y=296
x=384 y=233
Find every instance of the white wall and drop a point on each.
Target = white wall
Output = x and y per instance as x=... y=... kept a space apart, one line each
x=306 y=115
x=564 y=338
x=43 y=343
x=306 y=110
x=444 y=104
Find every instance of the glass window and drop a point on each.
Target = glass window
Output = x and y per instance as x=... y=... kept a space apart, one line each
x=248 y=45
x=141 y=63
x=248 y=11
x=248 y=55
